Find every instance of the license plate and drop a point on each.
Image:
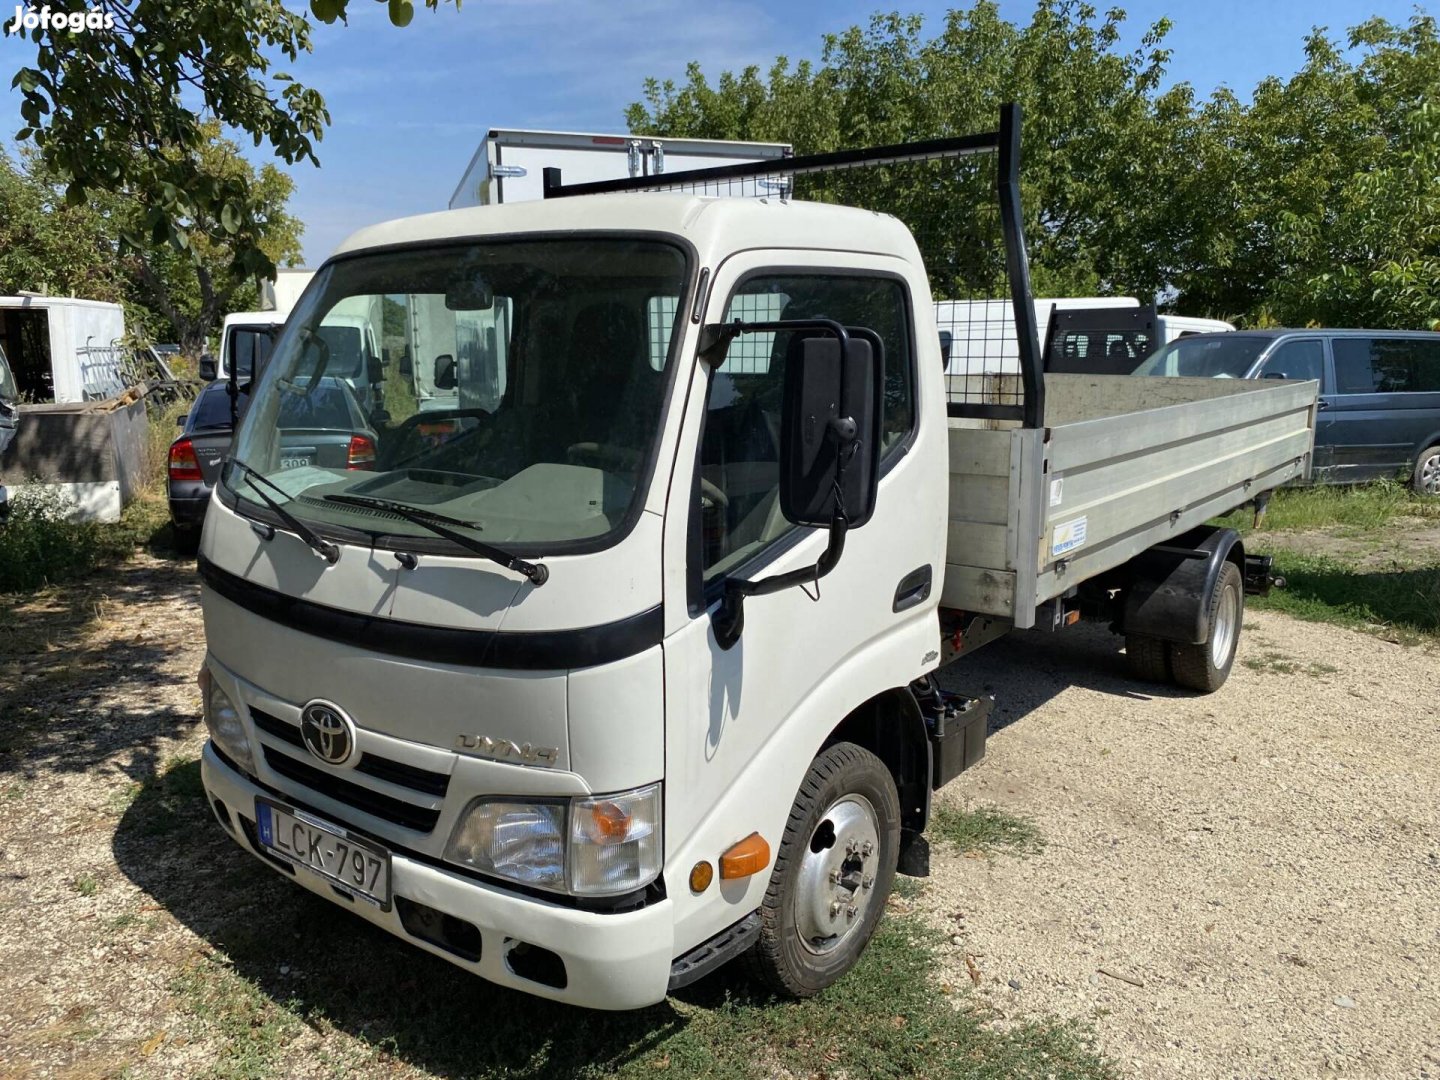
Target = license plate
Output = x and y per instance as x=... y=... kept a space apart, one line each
x=294 y=462
x=359 y=866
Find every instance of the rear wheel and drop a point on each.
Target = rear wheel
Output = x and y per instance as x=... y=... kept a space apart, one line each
x=1427 y=472
x=832 y=873
x=1148 y=657
x=1206 y=667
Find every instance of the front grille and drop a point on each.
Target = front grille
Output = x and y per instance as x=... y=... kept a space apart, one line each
x=395 y=811
x=424 y=781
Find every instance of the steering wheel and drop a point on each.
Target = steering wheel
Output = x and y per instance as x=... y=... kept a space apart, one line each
x=406 y=430
x=626 y=458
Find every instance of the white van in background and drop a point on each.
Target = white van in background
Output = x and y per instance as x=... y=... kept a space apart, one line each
x=246 y=338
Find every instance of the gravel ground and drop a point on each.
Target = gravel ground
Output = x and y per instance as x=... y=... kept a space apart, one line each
x=1262 y=863
x=1241 y=885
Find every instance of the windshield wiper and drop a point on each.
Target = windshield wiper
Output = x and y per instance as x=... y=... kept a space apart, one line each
x=437 y=523
x=327 y=551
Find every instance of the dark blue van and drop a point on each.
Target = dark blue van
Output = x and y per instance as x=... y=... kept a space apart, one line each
x=1379 y=408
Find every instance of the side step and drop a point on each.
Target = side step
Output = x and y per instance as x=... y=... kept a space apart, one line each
x=720 y=949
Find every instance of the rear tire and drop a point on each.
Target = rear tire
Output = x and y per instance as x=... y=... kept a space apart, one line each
x=845 y=824
x=1206 y=667
x=1148 y=657
x=1426 y=480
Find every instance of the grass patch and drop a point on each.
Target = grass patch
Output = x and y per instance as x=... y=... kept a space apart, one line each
x=40 y=546
x=985 y=829
x=887 y=1018
x=1399 y=605
x=1360 y=508
x=250 y=1028
x=86 y=885
x=1277 y=663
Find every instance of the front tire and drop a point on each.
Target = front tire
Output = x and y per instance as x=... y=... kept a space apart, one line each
x=1206 y=667
x=832 y=873
x=1426 y=480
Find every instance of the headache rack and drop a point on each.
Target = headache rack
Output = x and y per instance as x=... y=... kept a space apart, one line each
x=994 y=369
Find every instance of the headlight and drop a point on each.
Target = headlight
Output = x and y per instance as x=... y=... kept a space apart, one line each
x=598 y=845
x=524 y=842
x=223 y=720
x=615 y=841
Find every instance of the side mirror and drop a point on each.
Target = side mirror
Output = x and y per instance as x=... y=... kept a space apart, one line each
x=830 y=429
x=830 y=420
x=444 y=372
x=374 y=369
x=180 y=420
x=207 y=367
x=405 y=366
x=947 y=339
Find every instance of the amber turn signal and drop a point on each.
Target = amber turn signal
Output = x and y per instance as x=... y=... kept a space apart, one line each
x=700 y=876
x=749 y=856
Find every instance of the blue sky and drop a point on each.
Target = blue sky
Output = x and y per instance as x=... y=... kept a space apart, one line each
x=409 y=106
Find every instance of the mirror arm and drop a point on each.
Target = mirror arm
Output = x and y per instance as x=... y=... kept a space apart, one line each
x=729 y=618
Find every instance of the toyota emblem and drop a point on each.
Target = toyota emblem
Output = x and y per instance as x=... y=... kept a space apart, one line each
x=328 y=733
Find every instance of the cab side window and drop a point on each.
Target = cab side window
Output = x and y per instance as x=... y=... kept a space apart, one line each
x=740 y=450
x=1299 y=360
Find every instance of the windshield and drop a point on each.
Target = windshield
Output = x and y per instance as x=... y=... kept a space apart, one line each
x=1206 y=356
x=516 y=385
x=8 y=390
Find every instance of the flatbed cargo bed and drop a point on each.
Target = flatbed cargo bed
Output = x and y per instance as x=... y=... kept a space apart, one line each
x=1124 y=463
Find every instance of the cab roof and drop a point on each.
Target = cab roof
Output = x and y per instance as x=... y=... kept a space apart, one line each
x=716 y=226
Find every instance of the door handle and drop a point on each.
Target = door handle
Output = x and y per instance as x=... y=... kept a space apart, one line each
x=914 y=588
x=1321 y=403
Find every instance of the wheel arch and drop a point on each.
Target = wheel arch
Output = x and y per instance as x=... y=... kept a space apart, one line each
x=1168 y=587
x=891 y=726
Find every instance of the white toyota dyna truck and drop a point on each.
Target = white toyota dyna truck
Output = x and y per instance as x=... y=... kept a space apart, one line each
x=629 y=671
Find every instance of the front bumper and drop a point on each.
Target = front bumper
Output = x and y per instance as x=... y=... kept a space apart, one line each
x=611 y=961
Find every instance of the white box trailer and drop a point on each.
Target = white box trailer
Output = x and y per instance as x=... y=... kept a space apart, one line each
x=509 y=165
x=63 y=349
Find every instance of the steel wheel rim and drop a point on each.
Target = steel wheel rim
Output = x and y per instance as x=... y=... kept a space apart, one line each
x=835 y=886
x=1222 y=637
x=1430 y=475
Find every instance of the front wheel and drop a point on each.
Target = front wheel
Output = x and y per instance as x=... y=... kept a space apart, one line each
x=1206 y=667
x=832 y=873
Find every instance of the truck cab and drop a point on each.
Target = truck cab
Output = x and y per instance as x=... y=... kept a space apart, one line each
x=551 y=761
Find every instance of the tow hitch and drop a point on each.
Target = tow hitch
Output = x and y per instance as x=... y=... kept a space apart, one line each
x=1258 y=578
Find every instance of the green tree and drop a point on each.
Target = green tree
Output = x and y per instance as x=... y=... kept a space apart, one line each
x=1321 y=200
x=1096 y=135
x=191 y=289
x=47 y=244
x=1316 y=201
x=124 y=107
